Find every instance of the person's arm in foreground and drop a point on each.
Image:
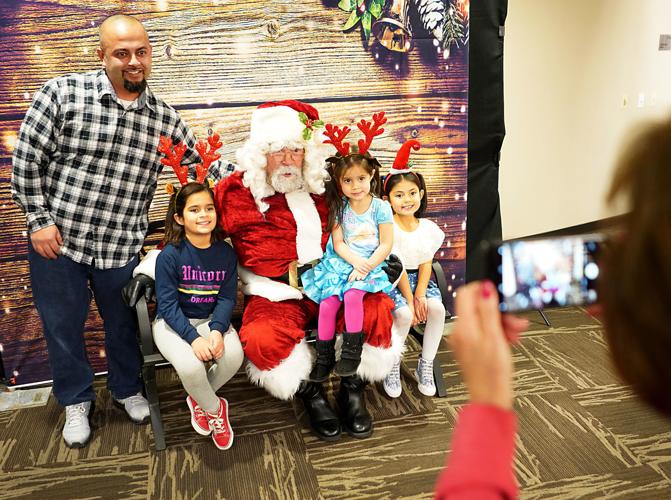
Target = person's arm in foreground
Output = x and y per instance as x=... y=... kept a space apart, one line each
x=480 y=465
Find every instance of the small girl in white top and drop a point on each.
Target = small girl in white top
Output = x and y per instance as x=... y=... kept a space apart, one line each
x=416 y=240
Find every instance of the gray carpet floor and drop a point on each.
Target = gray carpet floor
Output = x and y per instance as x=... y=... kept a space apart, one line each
x=581 y=435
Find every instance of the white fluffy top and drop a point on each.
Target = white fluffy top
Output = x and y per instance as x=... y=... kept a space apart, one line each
x=418 y=246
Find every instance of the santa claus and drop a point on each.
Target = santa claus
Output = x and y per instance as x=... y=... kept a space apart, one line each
x=272 y=207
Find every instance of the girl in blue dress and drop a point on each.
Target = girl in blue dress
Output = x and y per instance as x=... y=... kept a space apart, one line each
x=361 y=238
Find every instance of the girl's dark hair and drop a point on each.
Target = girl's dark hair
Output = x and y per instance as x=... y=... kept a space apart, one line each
x=174 y=233
x=417 y=179
x=635 y=283
x=338 y=165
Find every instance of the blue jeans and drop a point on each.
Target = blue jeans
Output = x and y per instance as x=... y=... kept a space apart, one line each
x=62 y=296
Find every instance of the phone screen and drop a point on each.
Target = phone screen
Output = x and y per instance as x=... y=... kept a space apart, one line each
x=553 y=272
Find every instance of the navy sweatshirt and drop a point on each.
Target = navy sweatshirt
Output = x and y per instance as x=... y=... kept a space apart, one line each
x=196 y=283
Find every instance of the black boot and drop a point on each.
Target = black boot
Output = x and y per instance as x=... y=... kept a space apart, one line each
x=325 y=360
x=350 y=354
x=352 y=407
x=323 y=420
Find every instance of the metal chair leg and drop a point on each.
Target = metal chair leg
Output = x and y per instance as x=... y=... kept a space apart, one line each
x=438 y=379
x=544 y=317
x=149 y=375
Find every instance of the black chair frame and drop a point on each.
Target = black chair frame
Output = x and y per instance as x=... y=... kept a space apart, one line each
x=150 y=358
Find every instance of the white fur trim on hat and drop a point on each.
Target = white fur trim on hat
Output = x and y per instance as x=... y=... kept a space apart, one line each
x=277 y=124
x=284 y=380
x=308 y=226
x=396 y=171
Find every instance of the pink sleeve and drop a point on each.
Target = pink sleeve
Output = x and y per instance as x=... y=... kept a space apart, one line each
x=480 y=465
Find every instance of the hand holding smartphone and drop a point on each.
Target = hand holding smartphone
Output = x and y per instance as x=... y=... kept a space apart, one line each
x=539 y=273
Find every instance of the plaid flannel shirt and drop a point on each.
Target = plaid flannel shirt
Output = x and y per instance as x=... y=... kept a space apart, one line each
x=85 y=163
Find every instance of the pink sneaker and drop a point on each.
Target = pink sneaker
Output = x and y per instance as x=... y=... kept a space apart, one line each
x=222 y=433
x=198 y=417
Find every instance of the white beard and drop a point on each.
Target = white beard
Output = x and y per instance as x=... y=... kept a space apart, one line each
x=283 y=184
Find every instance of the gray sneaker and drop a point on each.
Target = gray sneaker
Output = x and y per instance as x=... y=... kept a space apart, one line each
x=77 y=428
x=136 y=407
x=424 y=374
x=392 y=382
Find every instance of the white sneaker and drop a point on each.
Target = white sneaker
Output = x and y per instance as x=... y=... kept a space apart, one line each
x=136 y=406
x=424 y=374
x=392 y=382
x=77 y=428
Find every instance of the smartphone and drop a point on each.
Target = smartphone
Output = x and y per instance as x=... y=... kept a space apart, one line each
x=541 y=273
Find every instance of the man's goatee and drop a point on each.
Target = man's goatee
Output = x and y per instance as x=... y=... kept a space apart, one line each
x=135 y=87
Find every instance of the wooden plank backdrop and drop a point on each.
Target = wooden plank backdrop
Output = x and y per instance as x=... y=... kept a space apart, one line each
x=215 y=62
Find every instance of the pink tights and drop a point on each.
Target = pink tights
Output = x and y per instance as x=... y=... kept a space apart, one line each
x=328 y=309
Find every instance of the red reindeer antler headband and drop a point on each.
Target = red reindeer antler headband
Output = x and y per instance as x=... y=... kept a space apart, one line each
x=173 y=158
x=336 y=135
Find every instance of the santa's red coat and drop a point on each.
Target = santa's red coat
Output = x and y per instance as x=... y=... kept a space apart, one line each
x=265 y=244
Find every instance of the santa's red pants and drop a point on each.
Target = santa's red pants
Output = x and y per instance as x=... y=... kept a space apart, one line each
x=271 y=330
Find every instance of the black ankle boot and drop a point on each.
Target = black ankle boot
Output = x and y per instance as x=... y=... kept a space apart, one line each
x=350 y=354
x=323 y=420
x=352 y=407
x=325 y=360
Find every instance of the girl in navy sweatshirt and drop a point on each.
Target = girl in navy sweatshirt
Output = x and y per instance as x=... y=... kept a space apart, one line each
x=196 y=284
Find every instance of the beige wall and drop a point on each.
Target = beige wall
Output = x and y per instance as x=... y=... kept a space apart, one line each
x=574 y=70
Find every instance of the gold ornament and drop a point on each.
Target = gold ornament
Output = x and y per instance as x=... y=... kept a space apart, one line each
x=393 y=28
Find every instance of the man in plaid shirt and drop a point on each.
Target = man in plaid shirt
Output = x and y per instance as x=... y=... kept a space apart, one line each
x=85 y=169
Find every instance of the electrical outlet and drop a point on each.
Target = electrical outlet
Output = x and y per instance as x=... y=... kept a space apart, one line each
x=641 y=100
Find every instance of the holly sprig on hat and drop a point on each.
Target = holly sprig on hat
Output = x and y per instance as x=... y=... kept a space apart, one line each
x=310 y=125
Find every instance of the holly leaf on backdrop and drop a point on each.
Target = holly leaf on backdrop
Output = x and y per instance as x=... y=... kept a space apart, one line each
x=347 y=5
x=375 y=8
x=361 y=10
x=352 y=21
x=366 y=21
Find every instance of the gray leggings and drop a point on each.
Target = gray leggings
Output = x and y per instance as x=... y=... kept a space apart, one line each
x=201 y=384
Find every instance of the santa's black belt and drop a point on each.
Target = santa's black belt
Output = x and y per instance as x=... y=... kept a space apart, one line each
x=293 y=276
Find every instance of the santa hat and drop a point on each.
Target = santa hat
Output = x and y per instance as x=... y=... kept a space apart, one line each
x=283 y=123
x=401 y=164
x=276 y=125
